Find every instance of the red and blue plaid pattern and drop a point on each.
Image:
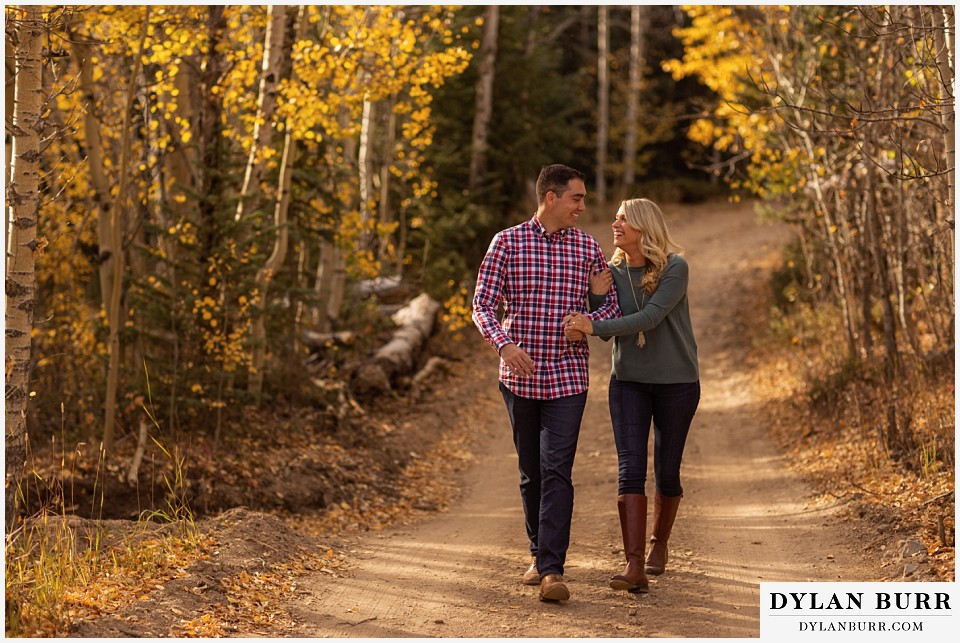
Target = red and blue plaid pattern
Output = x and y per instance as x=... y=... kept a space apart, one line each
x=539 y=278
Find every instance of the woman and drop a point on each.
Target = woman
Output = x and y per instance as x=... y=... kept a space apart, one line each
x=655 y=377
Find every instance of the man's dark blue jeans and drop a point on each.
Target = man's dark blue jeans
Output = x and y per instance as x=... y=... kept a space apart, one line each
x=545 y=434
x=671 y=407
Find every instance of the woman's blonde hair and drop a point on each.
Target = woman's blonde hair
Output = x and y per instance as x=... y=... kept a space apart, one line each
x=654 y=241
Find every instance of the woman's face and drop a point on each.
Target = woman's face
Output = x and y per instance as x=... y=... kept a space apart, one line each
x=624 y=236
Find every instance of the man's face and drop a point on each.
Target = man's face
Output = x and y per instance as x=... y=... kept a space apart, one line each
x=565 y=210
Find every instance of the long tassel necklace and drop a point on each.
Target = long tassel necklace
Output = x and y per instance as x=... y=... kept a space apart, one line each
x=641 y=339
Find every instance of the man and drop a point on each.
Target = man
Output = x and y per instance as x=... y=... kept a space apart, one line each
x=540 y=270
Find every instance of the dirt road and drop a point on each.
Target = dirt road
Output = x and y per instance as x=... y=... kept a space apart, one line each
x=744 y=518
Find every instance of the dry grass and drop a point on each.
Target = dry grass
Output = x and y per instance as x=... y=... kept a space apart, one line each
x=61 y=570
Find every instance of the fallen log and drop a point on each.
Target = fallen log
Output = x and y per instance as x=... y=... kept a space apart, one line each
x=321 y=341
x=388 y=289
x=433 y=365
x=397 y=356
x=419 y=381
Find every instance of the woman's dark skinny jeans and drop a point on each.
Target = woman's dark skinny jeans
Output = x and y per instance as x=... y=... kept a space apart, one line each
x=671 y=407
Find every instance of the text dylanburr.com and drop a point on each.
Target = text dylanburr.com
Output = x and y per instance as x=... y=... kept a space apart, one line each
x=847 y=611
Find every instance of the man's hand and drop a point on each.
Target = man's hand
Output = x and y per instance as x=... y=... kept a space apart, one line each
x=572 y=334
x=517 y=360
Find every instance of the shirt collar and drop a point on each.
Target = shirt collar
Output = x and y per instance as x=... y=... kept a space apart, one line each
x=541 y=231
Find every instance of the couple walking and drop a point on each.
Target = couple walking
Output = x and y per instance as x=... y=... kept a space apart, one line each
x=556 y=288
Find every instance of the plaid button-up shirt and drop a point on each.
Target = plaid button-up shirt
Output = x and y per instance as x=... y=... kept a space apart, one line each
x=539 y=278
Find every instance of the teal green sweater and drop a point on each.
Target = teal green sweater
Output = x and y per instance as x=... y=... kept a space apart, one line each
x=670 y=354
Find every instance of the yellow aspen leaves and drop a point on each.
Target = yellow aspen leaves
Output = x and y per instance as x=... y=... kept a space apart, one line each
x=194 y=117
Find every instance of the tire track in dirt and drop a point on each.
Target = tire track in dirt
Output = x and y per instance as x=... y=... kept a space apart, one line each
x=744 y=518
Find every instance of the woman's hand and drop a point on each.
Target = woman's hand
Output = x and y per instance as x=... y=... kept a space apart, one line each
x=575 y=322
x=600 y=283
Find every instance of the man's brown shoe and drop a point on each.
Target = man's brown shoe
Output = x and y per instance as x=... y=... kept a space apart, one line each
x=552 y=588
x=532 y=576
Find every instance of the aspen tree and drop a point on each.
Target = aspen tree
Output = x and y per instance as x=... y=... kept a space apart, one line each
x=844 y=117
x=484 y=104
x=279 y=252
x=603 y=99
x=99 y=185
x=639 y=20
x=263 y=129
x=23 y=209
x=118 y=215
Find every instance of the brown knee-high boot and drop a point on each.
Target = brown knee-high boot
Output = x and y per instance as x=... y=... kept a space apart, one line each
x=633 y=526
x=664 y=513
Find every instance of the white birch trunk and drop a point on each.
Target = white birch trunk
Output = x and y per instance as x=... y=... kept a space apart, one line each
x=118 y=212
x=484 y=104
x=638 y=20
x=272 y=265
x=279 y=253
x=266 y=107
x=10 y=71
x=386 y=215
x=946 y=62
x=93 y=146
x=603 y=100
x=365 y=166
x=23 y=207
x=334 y=264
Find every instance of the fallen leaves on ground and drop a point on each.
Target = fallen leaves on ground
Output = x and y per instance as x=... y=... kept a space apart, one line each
x=840 y=450
x=382 y=468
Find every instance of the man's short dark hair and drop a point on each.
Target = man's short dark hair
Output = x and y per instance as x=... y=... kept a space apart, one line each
x=554 y=178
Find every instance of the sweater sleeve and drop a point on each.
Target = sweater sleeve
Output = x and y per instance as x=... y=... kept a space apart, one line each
x=672 y=288
x=595 y=302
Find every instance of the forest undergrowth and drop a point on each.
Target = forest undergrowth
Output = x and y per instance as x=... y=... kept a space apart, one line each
x=95 y=543
x=858 y=434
